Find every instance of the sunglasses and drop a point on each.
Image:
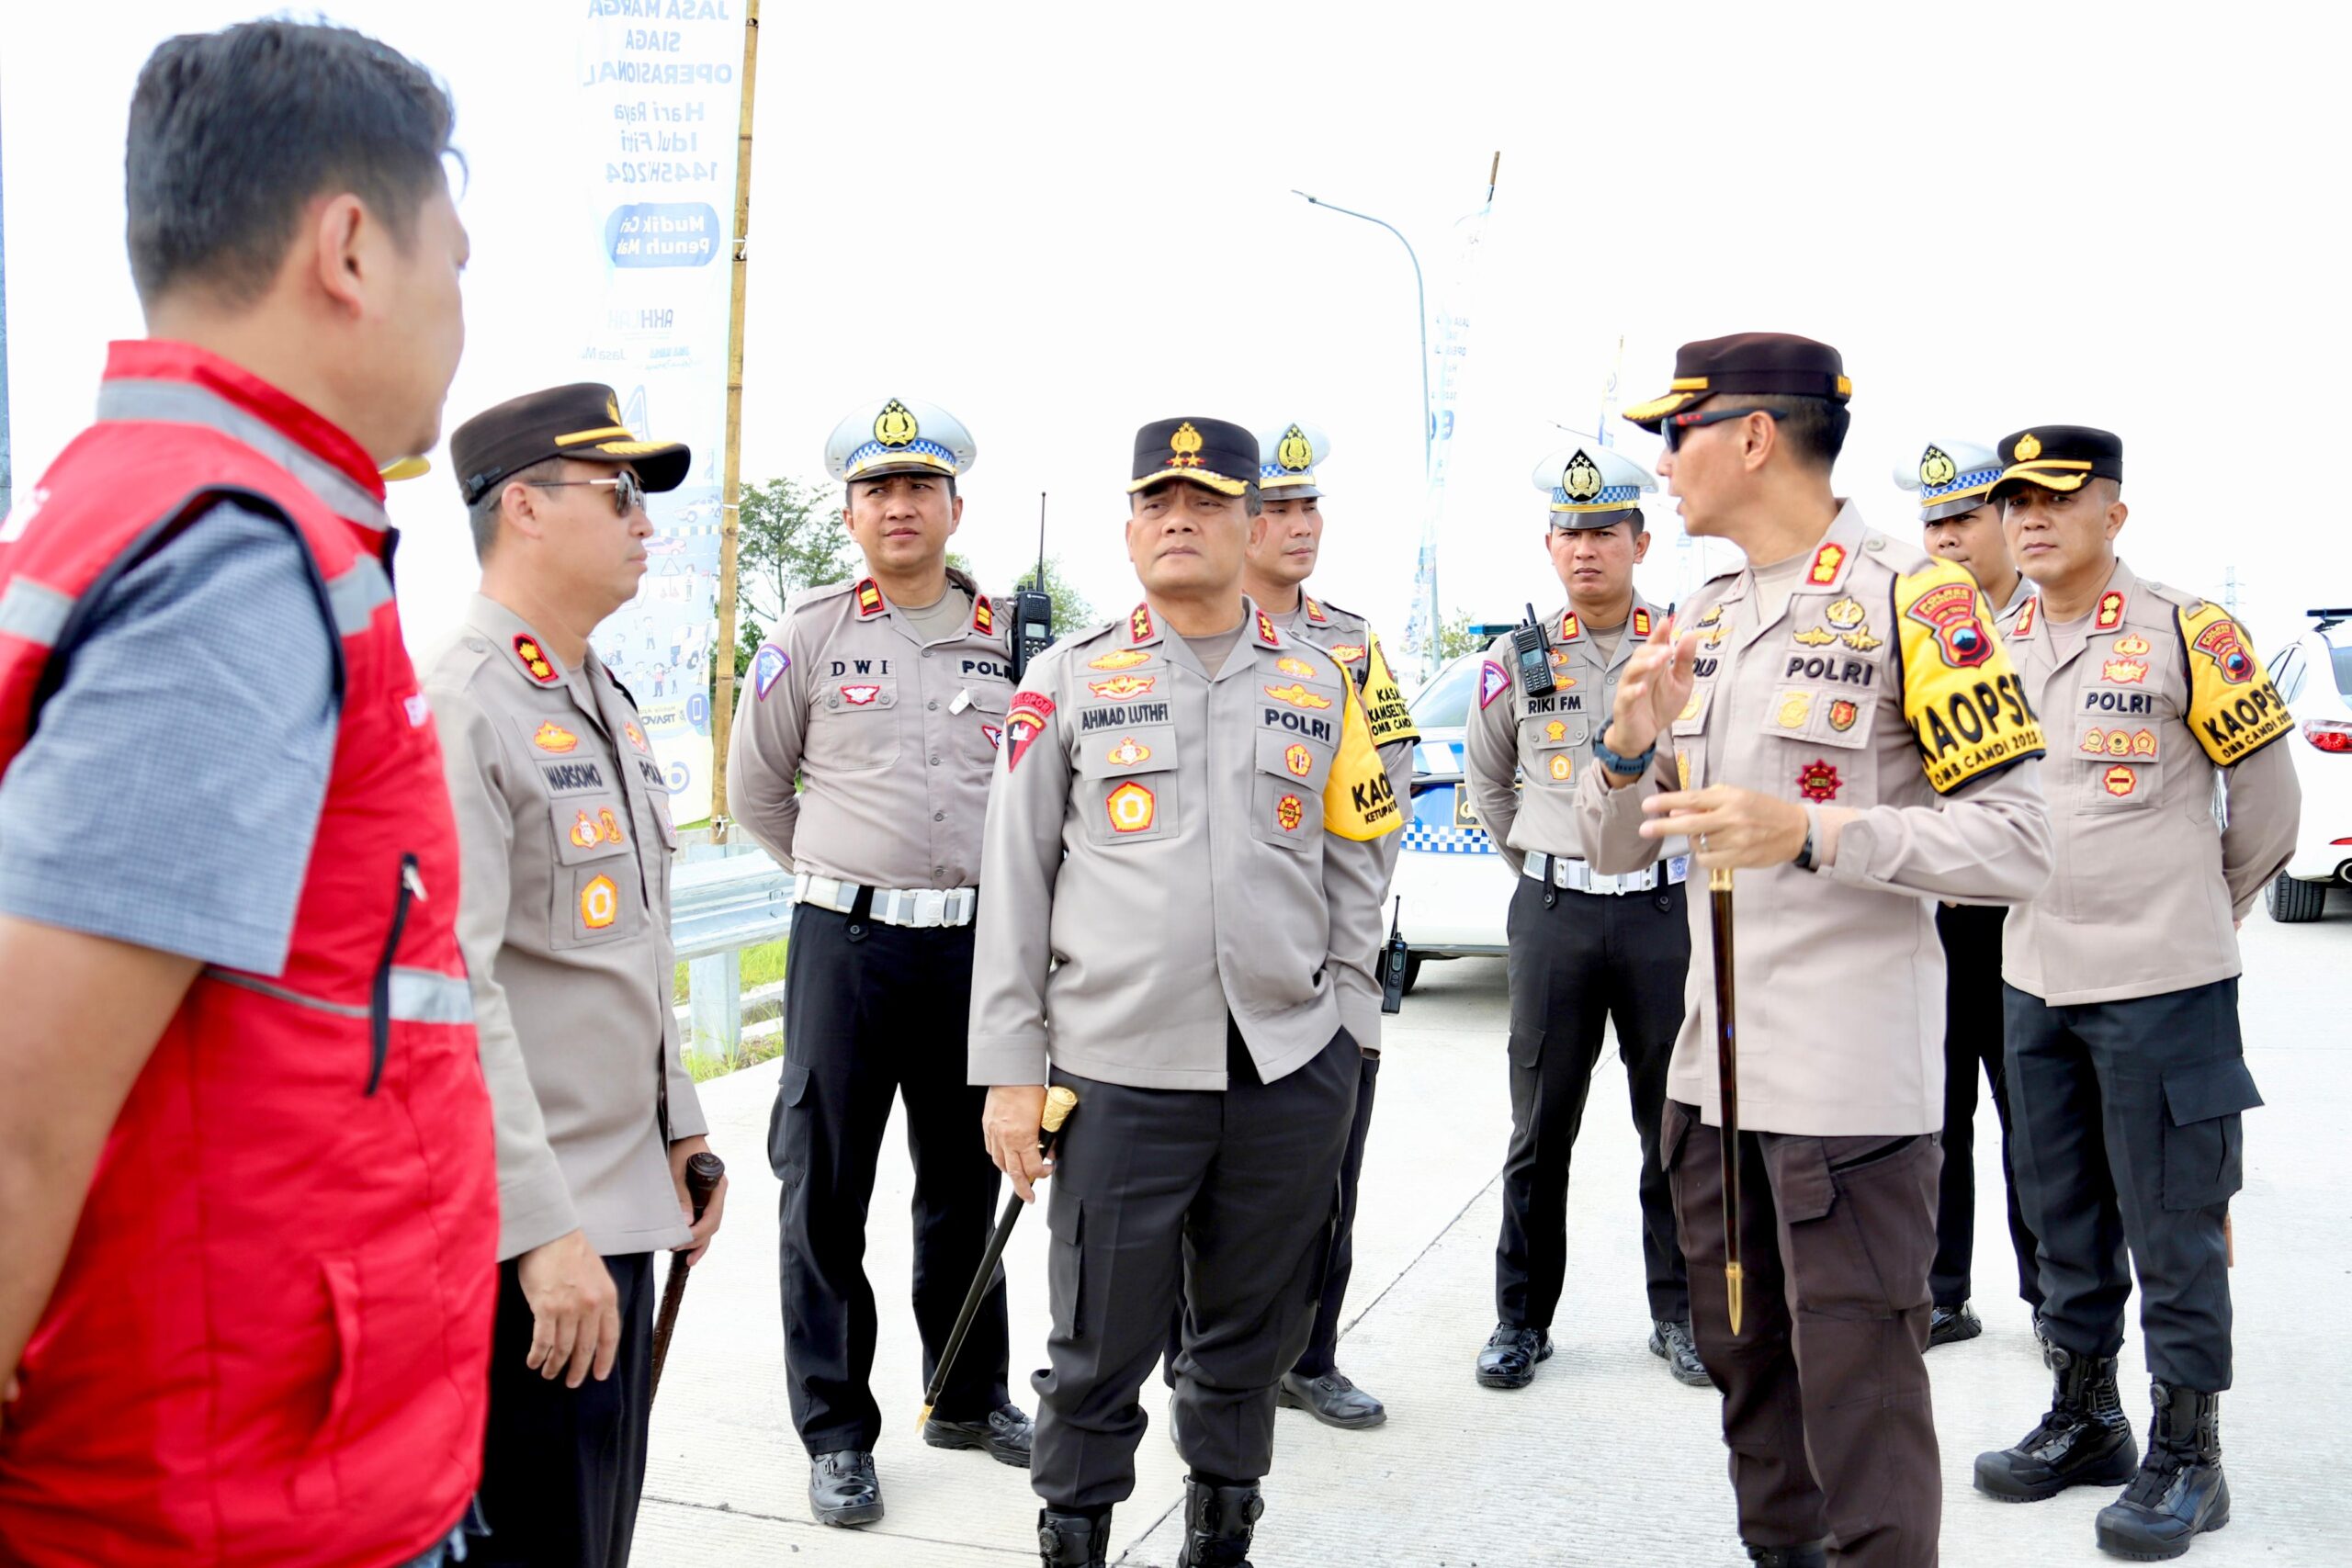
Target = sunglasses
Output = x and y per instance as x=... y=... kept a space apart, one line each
x=1676 y=423
x=629 y=491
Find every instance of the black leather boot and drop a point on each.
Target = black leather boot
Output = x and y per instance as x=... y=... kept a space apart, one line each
x=2180 y=1490
x=1217 y=1523
x=1508 y=1360
x=1072 y=1540
x=2084 y=1441
x=1812 y=1554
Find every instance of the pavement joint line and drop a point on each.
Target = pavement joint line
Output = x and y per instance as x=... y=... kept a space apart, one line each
x=823 y=1529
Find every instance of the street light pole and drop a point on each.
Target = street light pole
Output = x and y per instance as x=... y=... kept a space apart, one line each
x=1421 y=298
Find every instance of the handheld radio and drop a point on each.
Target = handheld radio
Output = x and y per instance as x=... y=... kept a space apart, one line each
x=1394 y=957
x=1533 y=647
x=1032 y=608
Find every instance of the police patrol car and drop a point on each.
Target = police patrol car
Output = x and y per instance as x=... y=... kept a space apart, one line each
x=1456 y=888
x=2315 y=674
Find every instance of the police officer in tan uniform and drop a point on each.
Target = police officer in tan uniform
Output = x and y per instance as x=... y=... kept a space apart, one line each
x=1182 y=886
x=1285 y=541
x=1837 y=721
x=885 y=700
x=1959 y=523
x=2120 y=989
x=563 y=820
x=1584 y=946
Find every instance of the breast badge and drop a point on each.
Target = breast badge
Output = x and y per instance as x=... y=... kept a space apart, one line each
x=1795 y=708
x=1298 y=759
x=1844 y=613
x=2124 y=671
x=635 y=737
x=1842 y=714
x=583 y=832
x=1290 y=666
x=1345 y=652
x=1128 y=752
x=1123 y=686
x=1124 y=658
x=600 y=903
x=554 y=739
x=2119 y=780
x=1297 y=697
x=1817 y=781
x=1290 y=811
x=2131 y=645
x=2094 y=742
x=1560 y=767
x=2118 y=744
x=1131 y=807
x=1815 y=636
x=860 y=697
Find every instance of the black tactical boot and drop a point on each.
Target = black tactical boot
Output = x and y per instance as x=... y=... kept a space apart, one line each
x=2181 y=1490
x=1949 y=1326
x=1810 y=1555
x=2084 y=1441
x=1670 y=1341
x=1072 y=1540
x=1217 y=1522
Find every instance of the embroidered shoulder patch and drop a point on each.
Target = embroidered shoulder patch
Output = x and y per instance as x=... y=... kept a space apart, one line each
x=1962 y=696
x=1493 y=682
x=768 y=666
x=1032 y=712
x=2233 y=708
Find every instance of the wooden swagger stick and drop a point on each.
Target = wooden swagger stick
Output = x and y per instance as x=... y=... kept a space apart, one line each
x=1727 y=1085
x=1059 y=1103
x=704 y=1173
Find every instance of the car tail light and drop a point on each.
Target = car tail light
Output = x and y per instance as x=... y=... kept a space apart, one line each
x=2329 y=735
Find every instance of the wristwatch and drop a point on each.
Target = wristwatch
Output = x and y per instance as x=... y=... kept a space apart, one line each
x=1624 y=767
x=1804 y=855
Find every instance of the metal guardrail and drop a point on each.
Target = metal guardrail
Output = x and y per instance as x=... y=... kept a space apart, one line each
x=721 y=903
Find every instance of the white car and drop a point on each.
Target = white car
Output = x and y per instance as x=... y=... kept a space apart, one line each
x=1455 y=886
x=2313 y=673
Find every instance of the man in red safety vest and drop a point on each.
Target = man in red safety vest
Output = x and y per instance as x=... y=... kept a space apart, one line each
x=247 y=1199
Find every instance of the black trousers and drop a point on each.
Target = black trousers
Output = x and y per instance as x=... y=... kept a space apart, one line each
x=2128 y=1141
x=1825 y=1402
x=1973 y=1033
x=1321 y=1357
x=1223 y=1200
x=872 y=1013
x=562 y=1467
x=1576 y=960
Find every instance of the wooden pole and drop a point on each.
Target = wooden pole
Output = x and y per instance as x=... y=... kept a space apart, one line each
x=722 y=716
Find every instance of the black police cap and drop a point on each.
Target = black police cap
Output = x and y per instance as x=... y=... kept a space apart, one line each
x=581 y=420
x=1755 y=363
x=2062 y=457
x=1211 y=452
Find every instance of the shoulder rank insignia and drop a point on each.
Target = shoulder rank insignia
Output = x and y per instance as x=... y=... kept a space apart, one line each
x=768 y=666
x=1123 y=659
x=1266 y=634
x=2110 y=612
x=1315 y=614
x=2026 y=613
x=1641 y=621
x=535 y=663
x=983 y=616
x=1032 y=712
x=1570 y=627
x=2233 y=708
x=869 y=599
x=1966 y=708
x=1825 y=562
x=1140 y=627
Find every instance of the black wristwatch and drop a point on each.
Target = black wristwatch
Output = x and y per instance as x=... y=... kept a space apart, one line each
x=1804 y=855
x=1624 y=767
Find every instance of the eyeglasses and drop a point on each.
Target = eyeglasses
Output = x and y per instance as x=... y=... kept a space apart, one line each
x=629 y=491
x=1676 y=423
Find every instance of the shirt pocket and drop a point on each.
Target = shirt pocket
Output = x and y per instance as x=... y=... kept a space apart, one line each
x=1286 y=789
x=1555 y=746
x=2115 y=763
x=979 y=729
x=1127 y=784
x=854 y=724
x=595 y=901
x=1825 y=752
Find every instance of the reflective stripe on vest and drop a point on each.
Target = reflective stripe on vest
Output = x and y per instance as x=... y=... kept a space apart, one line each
x=181 y=402
x=357 y=594
x=33 y=611
x=418 y=996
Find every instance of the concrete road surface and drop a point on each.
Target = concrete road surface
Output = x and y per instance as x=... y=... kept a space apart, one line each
x=1605 y=1459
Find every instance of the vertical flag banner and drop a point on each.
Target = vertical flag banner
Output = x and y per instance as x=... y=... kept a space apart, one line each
x=660 y=93
x=1449 y=344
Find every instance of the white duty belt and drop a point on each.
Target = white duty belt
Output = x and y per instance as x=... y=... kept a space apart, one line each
x=916 y=906
x=1578 y=877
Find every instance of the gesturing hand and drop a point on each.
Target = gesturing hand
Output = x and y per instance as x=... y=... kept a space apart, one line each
x=1655 y=688
x=1728 y=825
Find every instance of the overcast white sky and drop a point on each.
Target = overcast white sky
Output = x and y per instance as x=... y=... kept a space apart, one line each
x=1061 y=221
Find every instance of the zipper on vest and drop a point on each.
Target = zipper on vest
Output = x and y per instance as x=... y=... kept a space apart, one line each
x=380 y=1004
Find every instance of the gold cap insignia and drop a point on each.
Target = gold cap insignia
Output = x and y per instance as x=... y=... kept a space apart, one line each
x=1186 y=445
x=895 y=425
x=1580 y=480
x=1294 y=452
x=2028 y=447
x=613 y=409
x=1936 y=468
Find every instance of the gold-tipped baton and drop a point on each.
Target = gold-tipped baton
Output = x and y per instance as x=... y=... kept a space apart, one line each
x=1727 y=1085
x=1059 y=1103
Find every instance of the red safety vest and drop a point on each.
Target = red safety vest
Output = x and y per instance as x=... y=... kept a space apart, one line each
x=269 y=1344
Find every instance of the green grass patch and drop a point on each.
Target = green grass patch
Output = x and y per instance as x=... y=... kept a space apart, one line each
x=753 y=1052
x=762 y=966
